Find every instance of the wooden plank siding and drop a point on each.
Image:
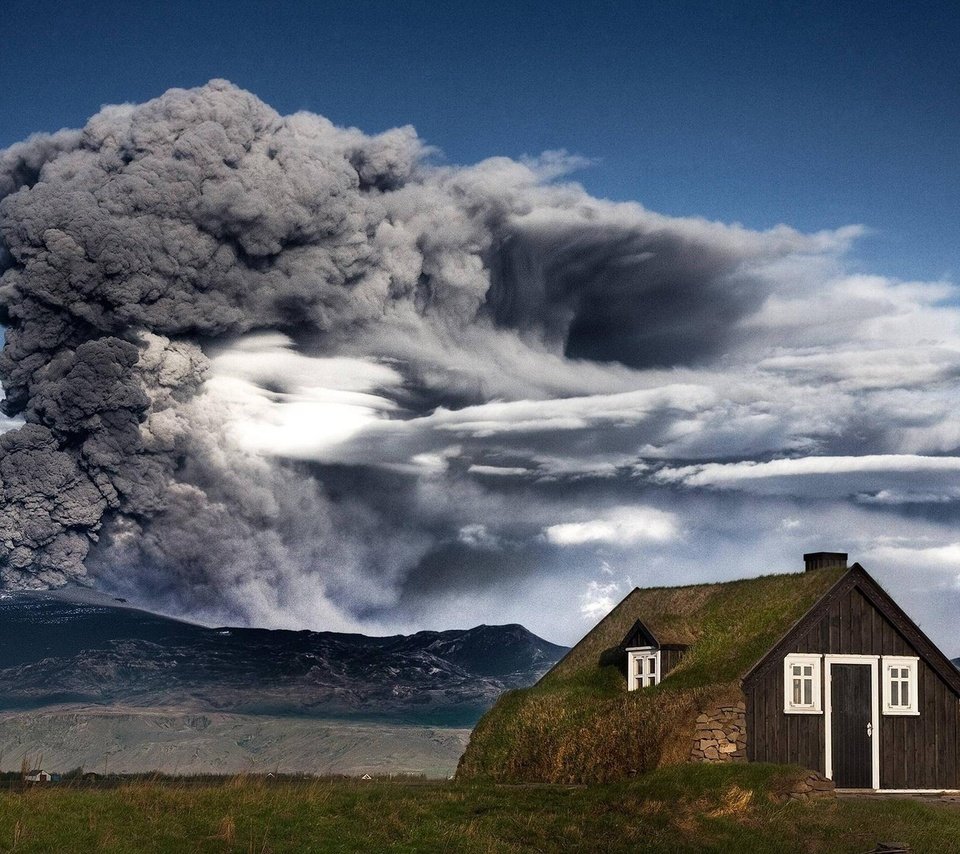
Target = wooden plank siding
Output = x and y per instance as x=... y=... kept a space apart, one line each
x=773 y=736
x=669 y=658
x=916 y=752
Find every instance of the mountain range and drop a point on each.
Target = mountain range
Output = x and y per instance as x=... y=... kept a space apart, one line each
x=80 y=669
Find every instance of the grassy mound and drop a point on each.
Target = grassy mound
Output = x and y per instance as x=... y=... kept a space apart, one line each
x=586 y=731
x=579 y=724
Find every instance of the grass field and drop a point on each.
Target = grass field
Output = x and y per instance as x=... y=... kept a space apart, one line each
x=684 y=808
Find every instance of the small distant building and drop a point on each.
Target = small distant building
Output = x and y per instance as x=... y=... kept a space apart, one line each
x=38 y=775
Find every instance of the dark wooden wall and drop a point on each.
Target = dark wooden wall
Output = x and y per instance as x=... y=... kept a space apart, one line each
x=669 y=658
x=773 y=736
x=916 y=752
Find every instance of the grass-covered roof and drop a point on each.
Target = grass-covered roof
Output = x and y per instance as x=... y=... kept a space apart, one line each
x=726 y=626
x=580 y=724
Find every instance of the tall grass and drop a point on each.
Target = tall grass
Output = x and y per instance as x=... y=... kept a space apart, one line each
x=587 y=729
x=678 y=809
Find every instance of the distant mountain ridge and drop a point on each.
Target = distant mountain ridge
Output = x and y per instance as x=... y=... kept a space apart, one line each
x=58 y=651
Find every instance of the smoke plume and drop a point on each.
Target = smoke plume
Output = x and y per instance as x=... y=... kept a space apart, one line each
x=143 y=255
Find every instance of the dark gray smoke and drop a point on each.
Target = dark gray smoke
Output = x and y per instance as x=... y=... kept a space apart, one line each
x=135 y=248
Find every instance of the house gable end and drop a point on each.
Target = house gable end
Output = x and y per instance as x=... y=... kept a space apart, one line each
x=913 y=634
x=860 y=593
x=914 y=744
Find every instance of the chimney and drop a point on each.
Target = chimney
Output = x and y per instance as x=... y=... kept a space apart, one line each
x=825 y=560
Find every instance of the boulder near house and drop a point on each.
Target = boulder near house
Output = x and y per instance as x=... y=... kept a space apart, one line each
x=834 y=675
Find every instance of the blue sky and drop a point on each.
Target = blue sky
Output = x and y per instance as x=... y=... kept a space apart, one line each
x=813 y=114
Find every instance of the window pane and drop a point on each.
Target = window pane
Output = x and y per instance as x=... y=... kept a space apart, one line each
x=905 y=694
x=808 y=670
x=894 y=693
x=796 y=692
x=808 y=692
x=651 y=665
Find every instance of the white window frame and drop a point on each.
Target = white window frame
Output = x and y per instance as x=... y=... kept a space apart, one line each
x=911 y=663
x=636 y=655
x=803 y=659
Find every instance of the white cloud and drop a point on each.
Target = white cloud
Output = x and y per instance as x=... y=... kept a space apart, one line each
x=498 y=471
x=478 y=537
x=869 y=367
x=732 y=475
x=907 y=496
x=913 y=556
x=283 y=403
x=623 y=526
x=598 y=599
x=572 y=413
x=270 y=358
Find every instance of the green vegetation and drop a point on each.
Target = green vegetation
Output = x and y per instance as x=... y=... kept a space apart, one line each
x=582 y=730
x=579 y=724
x=684 y=808
x=727 y=626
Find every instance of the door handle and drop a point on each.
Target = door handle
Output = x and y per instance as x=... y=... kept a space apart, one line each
x=870 y=730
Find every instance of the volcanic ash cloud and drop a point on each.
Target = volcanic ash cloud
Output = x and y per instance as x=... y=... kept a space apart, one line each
x=139 y=253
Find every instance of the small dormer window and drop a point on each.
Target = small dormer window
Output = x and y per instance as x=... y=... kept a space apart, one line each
x=643 y=668
x=802 y=685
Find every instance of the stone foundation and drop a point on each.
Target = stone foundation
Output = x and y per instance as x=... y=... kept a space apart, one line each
x=721 y=735
x=811 y=787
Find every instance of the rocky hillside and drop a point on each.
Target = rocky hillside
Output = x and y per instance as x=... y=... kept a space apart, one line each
x=76 y=649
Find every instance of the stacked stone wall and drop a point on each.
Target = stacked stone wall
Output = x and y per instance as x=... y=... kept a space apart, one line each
x=721 y=735
x=811 y=787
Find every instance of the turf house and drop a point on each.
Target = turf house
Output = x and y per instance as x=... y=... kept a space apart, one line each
x=819 y=668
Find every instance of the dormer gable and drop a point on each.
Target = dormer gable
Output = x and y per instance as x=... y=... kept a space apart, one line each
x=639 y=637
